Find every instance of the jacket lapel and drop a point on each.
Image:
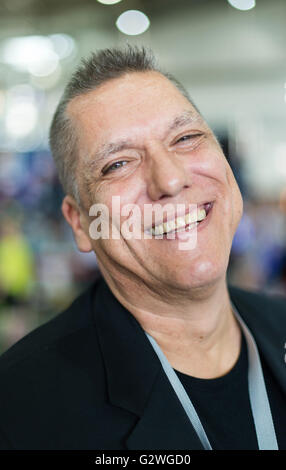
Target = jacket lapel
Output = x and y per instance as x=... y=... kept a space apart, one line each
x=163 y=424
x=136 y=381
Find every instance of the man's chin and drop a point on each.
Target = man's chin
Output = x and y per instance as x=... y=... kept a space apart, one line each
x=196 y=284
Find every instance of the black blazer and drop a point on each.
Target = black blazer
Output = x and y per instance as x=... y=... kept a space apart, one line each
x=89 y=378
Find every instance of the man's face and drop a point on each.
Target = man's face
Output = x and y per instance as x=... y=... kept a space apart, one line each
x=141 y=139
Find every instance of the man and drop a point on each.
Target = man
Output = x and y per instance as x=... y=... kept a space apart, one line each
x=104 y=374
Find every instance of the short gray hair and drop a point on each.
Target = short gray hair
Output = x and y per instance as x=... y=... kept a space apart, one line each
x=100 y=67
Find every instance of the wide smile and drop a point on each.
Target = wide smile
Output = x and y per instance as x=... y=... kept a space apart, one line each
x=184 y=223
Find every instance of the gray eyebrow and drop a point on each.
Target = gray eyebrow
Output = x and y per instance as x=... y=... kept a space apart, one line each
x=186 y=118
x=111 y=148
x=108 y=149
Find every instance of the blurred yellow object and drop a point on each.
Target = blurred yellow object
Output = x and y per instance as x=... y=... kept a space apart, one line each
x=16 y=265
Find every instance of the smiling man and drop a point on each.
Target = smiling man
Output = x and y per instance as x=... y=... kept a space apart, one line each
x=160 y=353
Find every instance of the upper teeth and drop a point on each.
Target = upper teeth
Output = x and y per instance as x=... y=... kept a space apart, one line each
x=179 y=222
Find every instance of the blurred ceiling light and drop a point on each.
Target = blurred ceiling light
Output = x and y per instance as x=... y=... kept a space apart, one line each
x=47 y=82
x=133 y=22
x=22 y=113
x=63 y=44
x=21 y=118
x=109 y=2
x=242 y=4
x=45 y=67
x=34 y=54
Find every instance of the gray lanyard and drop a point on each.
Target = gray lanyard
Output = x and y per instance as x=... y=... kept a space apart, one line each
x=260 y=407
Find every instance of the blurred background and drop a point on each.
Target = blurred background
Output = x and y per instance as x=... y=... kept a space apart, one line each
x=230 y=55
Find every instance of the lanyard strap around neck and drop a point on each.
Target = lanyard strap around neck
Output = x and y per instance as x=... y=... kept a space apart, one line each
x=260 y=407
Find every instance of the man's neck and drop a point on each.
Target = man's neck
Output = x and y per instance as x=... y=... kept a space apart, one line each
x=199 y=337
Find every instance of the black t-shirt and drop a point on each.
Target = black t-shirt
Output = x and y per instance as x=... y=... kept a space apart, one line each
x=223 y=406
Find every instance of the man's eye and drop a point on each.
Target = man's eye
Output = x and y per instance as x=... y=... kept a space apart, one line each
x=114 y=166
x=187 y=137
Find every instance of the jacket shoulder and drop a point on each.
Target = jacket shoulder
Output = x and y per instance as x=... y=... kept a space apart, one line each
x=274 y=302
x=73 y=319
x=264 y=311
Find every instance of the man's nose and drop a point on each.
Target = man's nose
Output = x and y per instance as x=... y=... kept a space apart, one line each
x=166 y=174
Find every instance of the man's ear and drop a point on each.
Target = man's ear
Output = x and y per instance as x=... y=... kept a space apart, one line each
x=76 y=219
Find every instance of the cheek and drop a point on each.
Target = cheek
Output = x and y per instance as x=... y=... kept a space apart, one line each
x=127 y=190
x=120 y=198
x=209 y=163
x=233 y=203
x=237 y=206
x=214 y=165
